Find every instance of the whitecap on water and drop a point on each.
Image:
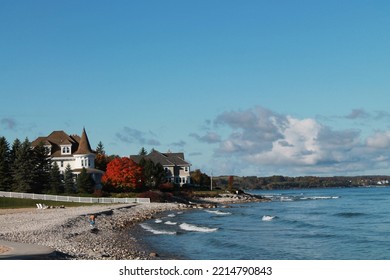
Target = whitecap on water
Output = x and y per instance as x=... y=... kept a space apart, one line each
x=190 y=227
x=171 y=215
x=170 y=223
x=267 y=218
x=217 y=212
x=158 y=221
x=155 y=231
x=319 y=197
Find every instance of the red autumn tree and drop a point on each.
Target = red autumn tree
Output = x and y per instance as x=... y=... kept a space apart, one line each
x=123 y=173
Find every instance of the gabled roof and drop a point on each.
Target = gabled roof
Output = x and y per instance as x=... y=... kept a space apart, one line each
x=165 y=159
x=79 y=145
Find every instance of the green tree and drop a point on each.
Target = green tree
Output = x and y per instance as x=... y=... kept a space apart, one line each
x=15 y=147
x=41 y=170
x=5 y=175
x=200 y=178
x=69 y=186
x=85 y=183
x=22 y=167
x=153 y=174
x=101 y=159
x=143 y=152
x=100 y=148
x=56 y=186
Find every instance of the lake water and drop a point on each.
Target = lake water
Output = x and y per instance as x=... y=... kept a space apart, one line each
x=317 y=224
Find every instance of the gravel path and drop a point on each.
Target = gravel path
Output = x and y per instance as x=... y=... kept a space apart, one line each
x=69 y=233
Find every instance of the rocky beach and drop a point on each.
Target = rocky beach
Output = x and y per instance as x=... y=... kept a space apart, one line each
x=68 y=232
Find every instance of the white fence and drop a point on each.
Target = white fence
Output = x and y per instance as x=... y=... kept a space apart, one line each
x=73 y=198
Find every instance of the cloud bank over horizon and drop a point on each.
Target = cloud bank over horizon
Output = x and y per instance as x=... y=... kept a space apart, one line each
x=261 y=142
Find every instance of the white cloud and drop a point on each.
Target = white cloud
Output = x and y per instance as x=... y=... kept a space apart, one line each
x=381 y=140
x=297 y=144
x=262 y=140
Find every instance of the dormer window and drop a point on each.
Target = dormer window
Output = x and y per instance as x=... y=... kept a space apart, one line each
x=65 y=150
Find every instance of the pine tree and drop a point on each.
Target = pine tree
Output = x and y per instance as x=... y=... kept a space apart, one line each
x=85 y=183
x=41 y=171
x=153 y=174
x=101 y=159
x=5 y=175
x=143 y=152
x=56 y=186
x=69 y=186
x=100 y=148
x=22 y=167
x=15 y=146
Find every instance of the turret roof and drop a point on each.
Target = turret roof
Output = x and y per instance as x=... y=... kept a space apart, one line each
x=84 y=146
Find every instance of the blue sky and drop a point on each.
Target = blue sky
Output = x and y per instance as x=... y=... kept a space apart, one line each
x=242 y=87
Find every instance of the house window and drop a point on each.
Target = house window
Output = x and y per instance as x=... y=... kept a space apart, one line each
x=65 y=150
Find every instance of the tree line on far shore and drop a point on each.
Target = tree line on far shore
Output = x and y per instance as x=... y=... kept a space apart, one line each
x=303 y=182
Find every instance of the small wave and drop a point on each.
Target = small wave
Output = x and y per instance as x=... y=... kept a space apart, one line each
x=189 y=227
x=179 y=213
x=267 y=218
x=158 y=221
x=300 y=198
x=170 y=223
x=171 y=215
x=319 y=197
x=155 y=231
x=217 y=212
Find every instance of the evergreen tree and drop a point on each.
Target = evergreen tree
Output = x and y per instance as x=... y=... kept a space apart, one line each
x=69 y=186
x=85 y=183
x=160 y=175
x=56 y=186
x=101 y=159
x=22 y=167
x=143 y=152
x=41 y=170
x=153 y=174
x=15 y=147
x=5 y=153
x=100 y=148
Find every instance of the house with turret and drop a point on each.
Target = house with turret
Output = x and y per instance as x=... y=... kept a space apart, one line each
x=71 y=150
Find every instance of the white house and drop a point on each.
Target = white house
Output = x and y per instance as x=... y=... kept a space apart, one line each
x=71 y=150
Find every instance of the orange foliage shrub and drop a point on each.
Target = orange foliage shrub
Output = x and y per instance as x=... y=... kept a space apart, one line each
x=123 y=173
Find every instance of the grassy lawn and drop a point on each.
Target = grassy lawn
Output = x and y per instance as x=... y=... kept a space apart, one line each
x=11 y=203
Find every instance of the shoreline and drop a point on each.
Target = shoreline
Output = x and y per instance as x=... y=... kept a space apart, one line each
x=68 y=232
